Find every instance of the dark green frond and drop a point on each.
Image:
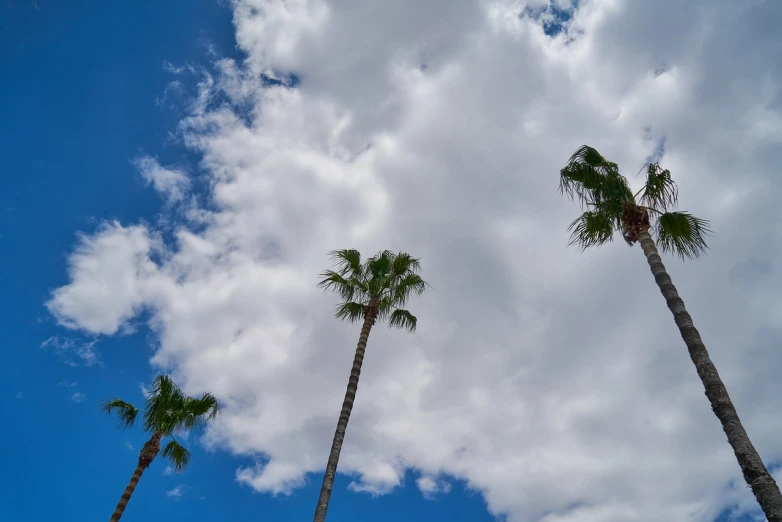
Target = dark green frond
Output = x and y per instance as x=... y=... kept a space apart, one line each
x=176 y=454
x=350 y=311
x=124 y=412
x=591 y=229
x=164 y=399
x=407 y=284
x=380 y=265
x=336 y=283
x=348 y=262
x=660 y=191
x=682 y=234
x=590 y=156
x=402 y=319
x=592 y=179
x=196 y=413
x=404 y=263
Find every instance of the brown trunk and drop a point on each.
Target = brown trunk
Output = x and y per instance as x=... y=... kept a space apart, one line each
x=344 y=416
x=148 y=453
x=755 y=473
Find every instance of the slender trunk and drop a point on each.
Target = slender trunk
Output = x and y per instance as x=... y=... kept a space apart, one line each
x=147 y=455
x=344 y=416
x=755 y=473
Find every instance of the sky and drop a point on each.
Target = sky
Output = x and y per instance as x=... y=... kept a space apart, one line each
x=175 y=174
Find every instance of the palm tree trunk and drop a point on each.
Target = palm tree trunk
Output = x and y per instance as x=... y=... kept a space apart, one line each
x=147 y=455
x=344 y=416
x=755 y=473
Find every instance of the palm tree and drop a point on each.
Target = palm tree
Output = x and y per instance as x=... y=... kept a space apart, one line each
x=612 y=206
x=167 y=411
x=375 y=289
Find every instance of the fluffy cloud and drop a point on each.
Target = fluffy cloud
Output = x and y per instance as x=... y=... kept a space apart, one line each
x=554 y=382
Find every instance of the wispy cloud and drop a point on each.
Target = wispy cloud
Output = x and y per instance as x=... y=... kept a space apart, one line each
x=129 y=446
x=177 y=492
x=171 y=183
x=78 y=397
x=67 y=384
x=169 y=470
x=19 y=395
x=73 y=352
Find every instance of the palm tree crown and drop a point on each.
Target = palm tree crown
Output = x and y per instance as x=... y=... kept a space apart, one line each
x=167 y=412
x=380 y=285
x=612 y=206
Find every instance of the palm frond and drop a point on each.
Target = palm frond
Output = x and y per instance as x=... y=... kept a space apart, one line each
x=591 y=229
x=590 y=156
x=682 y=234
x=659 y=191
x=195 y=413
x=334 y=282
x=402 y=319
x=176 y=454
x=380 y=265
x=347 y=261
x=124 y=412
x=404 y=286
x=350 y=311
x=404 y=263
x=591 y=179
x=163 y=407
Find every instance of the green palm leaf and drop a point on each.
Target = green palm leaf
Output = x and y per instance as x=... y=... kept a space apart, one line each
x=351 y=312
x=124 y=412
x=659 y=191
x=682 y=234
x=402 y=319
x=176 y=454
x=591 y=229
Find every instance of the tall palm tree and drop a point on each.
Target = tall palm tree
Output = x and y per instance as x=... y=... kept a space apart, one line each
x=611 y=206
x=375 y=289
x=167 y=411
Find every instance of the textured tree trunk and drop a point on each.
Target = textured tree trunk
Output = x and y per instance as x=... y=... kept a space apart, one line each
x=147 y=455
x=344 y=416
x=755 y=473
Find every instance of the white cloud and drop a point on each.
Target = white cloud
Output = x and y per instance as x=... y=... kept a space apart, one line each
x=19 y=395
x=129 y=446
x=171 y=183
x=177 y=492
x=67 y=384
x=430 y=487
x=169 y=470
x=554 y=382
x=78 y=397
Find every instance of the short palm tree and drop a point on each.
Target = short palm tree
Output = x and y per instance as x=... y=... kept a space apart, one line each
x=374 y=289
x=612 y=206
x=167 y=412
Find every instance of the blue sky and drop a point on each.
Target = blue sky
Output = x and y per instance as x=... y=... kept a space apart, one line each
x=367 y=150
x=78 y=98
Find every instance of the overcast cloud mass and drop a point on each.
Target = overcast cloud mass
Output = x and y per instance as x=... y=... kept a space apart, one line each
x=552 y=381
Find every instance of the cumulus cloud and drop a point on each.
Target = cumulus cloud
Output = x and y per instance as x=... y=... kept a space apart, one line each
x=169 y=182
x=552 y=381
